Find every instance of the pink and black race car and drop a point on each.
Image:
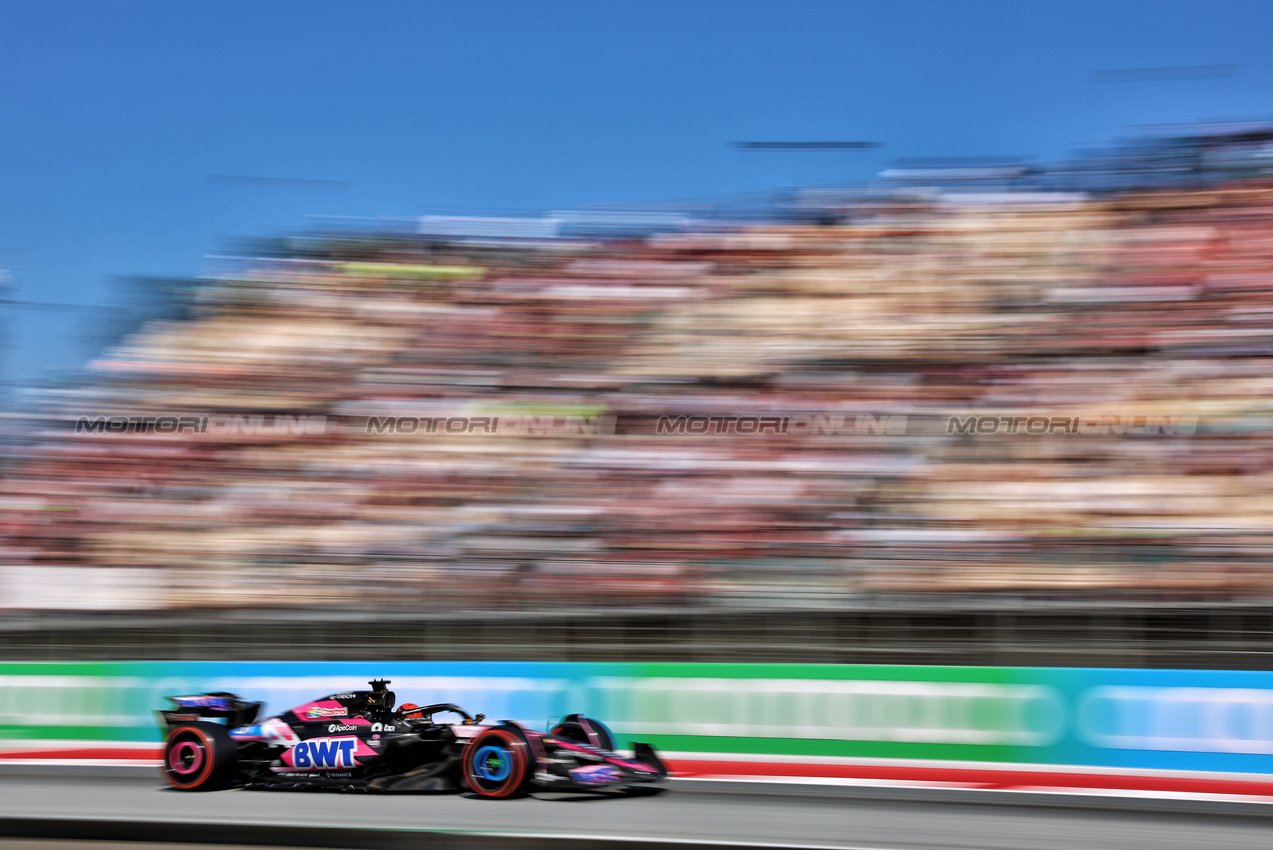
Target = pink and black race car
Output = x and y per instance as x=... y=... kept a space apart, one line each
x=357 y=741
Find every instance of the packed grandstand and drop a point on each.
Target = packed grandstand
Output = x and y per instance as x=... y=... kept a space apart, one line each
x=704 y=408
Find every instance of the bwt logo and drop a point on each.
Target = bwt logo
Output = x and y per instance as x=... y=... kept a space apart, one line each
x=515 y=426
x=800 y=425
x=324 y=754
x=1131 y=426
x=255 y=425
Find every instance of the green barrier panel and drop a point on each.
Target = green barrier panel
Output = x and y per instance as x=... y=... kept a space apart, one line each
x=1176 y=719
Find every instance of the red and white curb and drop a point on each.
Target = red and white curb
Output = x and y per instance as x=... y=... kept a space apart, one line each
x=81 y=753
x=806 y=770
x=986 y=776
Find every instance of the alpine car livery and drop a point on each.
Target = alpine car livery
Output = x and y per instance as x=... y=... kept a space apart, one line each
x=356 y=740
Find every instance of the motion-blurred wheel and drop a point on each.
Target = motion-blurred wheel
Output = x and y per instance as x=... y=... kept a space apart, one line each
x=199 y=757
x=497 y=763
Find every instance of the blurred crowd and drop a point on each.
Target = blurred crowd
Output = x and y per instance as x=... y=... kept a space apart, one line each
x=889 y=312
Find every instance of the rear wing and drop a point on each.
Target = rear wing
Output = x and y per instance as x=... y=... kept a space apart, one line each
x=225 y=708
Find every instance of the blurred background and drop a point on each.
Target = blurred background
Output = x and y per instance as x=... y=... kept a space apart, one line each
x=865 y=390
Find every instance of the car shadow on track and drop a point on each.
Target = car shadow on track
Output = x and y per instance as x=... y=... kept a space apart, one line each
x=578 y=797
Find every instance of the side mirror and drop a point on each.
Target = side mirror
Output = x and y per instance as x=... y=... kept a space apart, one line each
x=479 y=718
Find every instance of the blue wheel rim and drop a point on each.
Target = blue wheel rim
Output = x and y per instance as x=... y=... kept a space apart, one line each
x=492 y=763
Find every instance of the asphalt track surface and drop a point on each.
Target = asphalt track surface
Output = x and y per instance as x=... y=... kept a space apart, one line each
x=742 y=814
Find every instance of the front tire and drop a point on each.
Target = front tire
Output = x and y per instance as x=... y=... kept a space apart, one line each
x=199 y=757
x=497 y=763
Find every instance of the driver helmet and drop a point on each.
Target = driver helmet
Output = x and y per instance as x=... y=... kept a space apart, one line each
x=410 y=709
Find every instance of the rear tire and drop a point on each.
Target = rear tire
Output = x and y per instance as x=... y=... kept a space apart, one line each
x=199 y=757
x=497 y=763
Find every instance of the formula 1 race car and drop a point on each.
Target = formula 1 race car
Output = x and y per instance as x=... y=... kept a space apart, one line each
x=357 y=741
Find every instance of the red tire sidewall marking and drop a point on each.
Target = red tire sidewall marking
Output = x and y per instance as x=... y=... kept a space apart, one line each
x=209 y=759
x=516 y=748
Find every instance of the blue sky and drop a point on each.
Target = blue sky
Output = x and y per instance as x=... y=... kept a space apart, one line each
x=115 y=117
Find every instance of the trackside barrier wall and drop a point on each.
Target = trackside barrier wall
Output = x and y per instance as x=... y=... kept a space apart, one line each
x=1195 y=720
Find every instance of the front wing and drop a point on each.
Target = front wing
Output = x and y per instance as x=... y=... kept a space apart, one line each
x=562 y=763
